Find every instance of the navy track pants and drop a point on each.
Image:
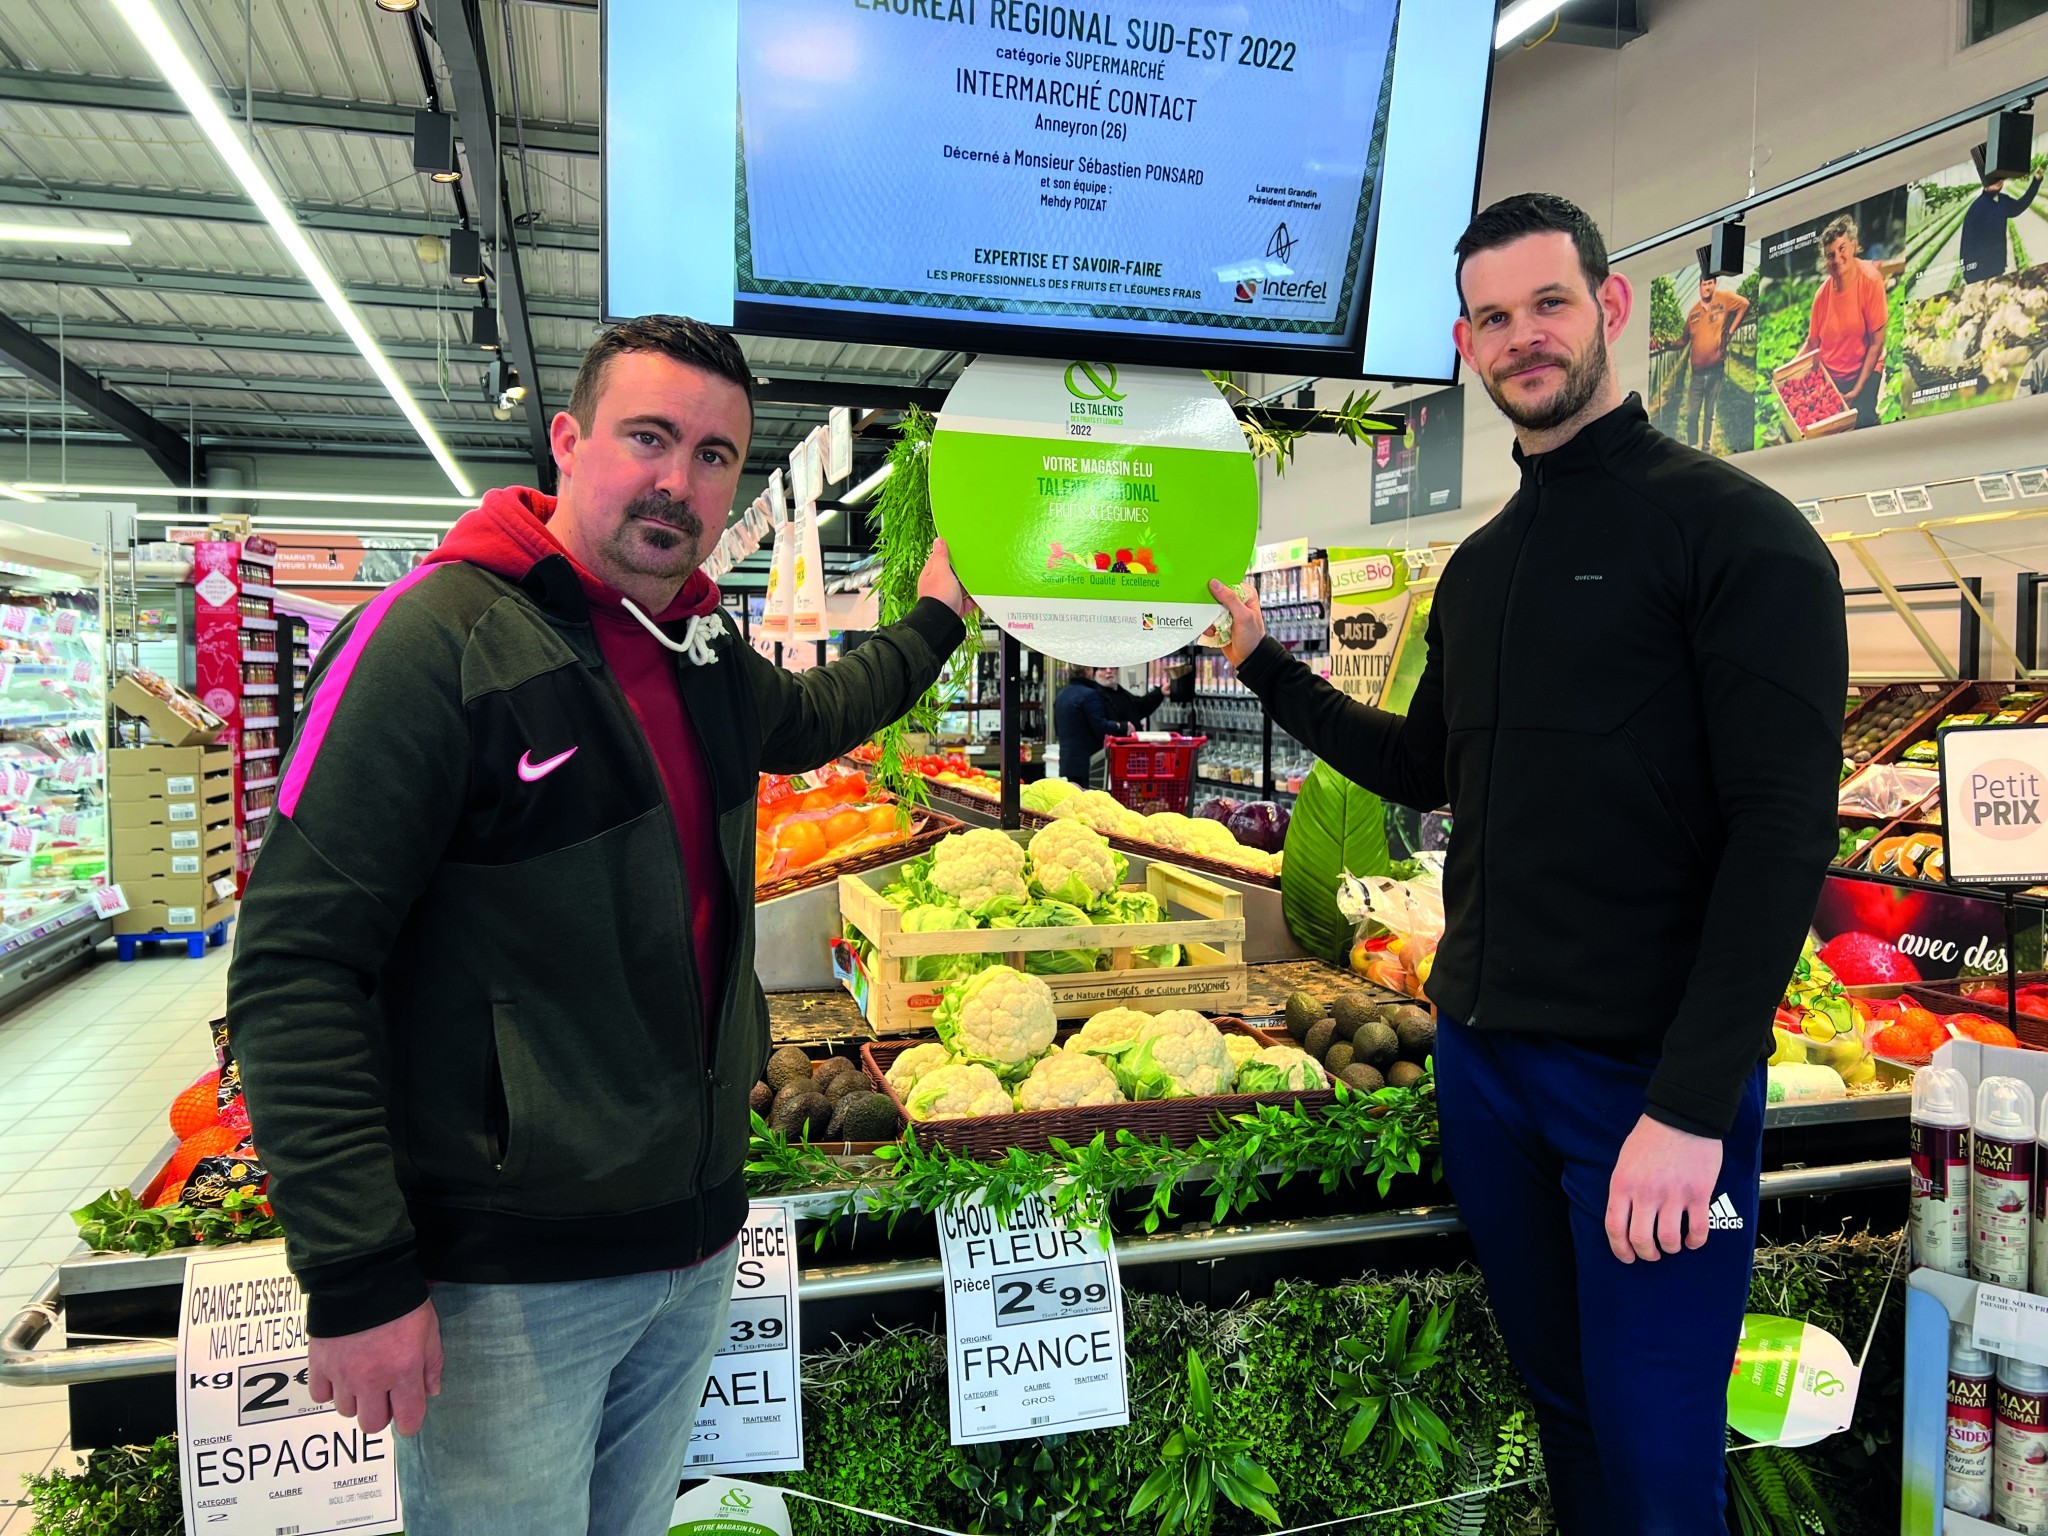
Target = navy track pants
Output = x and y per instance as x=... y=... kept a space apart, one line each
x=1628 y=1363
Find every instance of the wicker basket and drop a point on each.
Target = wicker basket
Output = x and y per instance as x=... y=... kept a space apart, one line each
x=931 y=825
x=1033 y=820
x=1182 y=1122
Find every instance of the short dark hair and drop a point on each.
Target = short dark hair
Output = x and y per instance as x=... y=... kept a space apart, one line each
x=677 y=336
x=1533 y=213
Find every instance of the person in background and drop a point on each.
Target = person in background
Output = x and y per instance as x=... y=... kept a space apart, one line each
x=493 y=992
x=1849 y=317
x=1708 y=325
x=1603 y=1025
x=1090 y=707
x=1986 y=240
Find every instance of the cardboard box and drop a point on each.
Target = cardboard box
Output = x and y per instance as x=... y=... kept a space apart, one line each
x=171 y=763
x=137 y=810
x=144 y=843
x=160 y=917
x=133 y=866
x=166 y=724
x=174 y=904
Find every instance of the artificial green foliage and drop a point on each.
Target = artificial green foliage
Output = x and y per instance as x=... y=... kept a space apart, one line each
x=1337 y=828
x=1382 y=1387
x=119 y=1223
x=121 y=1491
x=1199 y=1461
x=1270 y=438
x=1773 y=1492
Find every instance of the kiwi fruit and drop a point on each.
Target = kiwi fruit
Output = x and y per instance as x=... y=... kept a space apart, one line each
x=799 y=1114
x=760 y=1097
x=1404 y=1074
x=843 y=1083
x=1319 y=1038
x=1360 y=1078
x=1417 y=1031
x=1352 y=1010
x=1338 y=1057
x=786 y=1066
x=823 y=1072
x=1375 y=1043
x=1303 y=1010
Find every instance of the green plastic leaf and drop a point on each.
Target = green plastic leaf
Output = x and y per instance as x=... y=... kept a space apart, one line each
x=1362 y=1424
x=1336 y=828
x=1150 y=1491
x=1198 y=1386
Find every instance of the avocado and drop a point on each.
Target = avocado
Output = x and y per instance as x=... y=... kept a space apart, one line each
x=1319 y=1037
x=760 y=1097
x=1417 y=1032
x=843 y=1083
x=1360 y=1078
x=799 y=1114
x=1303 y=1010
x=786 y=1066
x=789 y=1095
x=1338 y=1057
x=1352 y=1010
x=823 y=1072
x=865 y=1117
x=1376 y=1044
x=1404 y=1074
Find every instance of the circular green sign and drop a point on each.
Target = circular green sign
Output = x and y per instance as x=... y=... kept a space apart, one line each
x=1087 y=506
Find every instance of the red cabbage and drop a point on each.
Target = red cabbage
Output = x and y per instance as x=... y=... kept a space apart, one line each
x=1261 y=825
x=1222 y=808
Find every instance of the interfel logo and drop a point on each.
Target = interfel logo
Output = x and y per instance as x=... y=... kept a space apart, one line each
x=1098 y=381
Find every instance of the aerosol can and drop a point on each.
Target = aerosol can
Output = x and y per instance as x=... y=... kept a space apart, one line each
x=1940 y=1142
x=1967 y=1480
x=2001 y=1182
x=2019 y=1457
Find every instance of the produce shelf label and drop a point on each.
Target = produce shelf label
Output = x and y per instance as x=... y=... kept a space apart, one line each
x=1087 y=505
x=1034 y=1324
x=256 y=1454
x=751 y=1418
x=1793 y=1383
x=1994 y=786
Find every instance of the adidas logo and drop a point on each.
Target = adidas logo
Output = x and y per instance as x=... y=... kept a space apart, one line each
x=1722 y=1215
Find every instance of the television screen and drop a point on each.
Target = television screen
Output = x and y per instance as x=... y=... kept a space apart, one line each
x=1187 y=182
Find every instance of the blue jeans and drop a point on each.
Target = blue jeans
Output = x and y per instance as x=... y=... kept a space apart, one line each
x=564 y=1408
x=1627 y=1363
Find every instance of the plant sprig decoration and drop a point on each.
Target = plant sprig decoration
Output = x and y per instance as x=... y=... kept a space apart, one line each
x=904 y=533
x=1269 y=438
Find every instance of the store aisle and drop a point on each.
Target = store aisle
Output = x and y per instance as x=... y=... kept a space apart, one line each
x=87 y=1073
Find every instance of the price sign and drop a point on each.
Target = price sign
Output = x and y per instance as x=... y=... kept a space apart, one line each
x=1034 y=1324
x=257 y=1454
x=81 y=672
x=108 y=901
x=17 y=839
x=65 y=621
x=15 y=620
x=1994 y=786
x=67 y=824
x=2011 y=1323
x=751 y=1417
x=224 y=887
x=18 y=782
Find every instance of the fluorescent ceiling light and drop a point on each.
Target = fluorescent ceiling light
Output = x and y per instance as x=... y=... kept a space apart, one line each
x=49 y=234
x=326 y=525
x=16 y=493
x=1520 y=17
x=248 y=493
x=827 y=515
x=158 y=43
x=869 y=486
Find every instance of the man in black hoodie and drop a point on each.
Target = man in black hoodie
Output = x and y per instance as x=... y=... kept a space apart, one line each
x=1651 y=637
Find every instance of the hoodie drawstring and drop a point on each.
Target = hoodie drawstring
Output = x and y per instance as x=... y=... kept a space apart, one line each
x=698 y=637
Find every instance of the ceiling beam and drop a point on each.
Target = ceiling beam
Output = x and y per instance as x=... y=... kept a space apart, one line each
x=460 y=354
x=875 y=396
x=95 y=93
x=458 y=28
x=34 y=357
x=220 y=209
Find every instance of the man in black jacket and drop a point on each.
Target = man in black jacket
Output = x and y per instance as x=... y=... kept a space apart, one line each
x=1632 y=704
x=493 y=995
x=1089 y=708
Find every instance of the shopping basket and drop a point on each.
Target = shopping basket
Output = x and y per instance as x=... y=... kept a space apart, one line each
x=1153 y=772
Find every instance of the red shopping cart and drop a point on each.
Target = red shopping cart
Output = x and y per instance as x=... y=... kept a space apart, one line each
x=1153 y=772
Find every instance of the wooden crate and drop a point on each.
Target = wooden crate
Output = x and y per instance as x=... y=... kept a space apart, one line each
x=1809 y=362
x=1214 y=980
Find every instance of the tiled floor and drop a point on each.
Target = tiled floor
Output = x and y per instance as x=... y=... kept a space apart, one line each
x=87 y=1074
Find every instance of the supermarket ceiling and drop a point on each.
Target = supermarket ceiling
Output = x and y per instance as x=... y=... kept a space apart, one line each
x=202 y=334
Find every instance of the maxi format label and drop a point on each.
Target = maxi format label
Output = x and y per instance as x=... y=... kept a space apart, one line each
x=751 y=1418
x=257 y=1455
x=1087 y=506
x=1034 y=1324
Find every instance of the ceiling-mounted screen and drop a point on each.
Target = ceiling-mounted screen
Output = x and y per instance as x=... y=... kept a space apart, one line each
x=1189 y=182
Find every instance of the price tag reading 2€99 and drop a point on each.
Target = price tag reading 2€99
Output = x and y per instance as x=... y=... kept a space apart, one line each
x=1034 y=1324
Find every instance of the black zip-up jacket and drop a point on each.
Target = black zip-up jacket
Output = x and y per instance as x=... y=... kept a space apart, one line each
x=464 y=995
x=1632 y=704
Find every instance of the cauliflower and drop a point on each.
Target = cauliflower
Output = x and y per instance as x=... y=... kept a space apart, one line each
x=1052 y=962
x=1000 y=1017
x=1209 y=838
x=1169 y=829
x=959 y=1092
x=1281 y=1069
x=930 y=919
x=1071 y=861
x=1064 y=1081
x=1242 y=1049
x=1102 y=811
x=907 y=1070
x=1044 y=795
x=979 y=868
x=1136 y=907
x=1178 y=1055
x=1109 y=1029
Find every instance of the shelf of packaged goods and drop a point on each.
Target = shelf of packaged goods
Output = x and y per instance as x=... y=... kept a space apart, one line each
x=40 y=722
x=260 y=723
x=37 y=668
x=259 y=656
x=259 y=688
x=252 y=845
x=43 y=924
x=257 y=621
x=256 y=784
x=256 y=813
x=250 y=590
x=256 y=752
x=257 y=557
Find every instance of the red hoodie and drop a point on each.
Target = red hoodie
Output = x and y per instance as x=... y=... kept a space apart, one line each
x=508 y=535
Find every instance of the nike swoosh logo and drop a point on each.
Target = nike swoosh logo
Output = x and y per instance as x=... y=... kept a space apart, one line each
x=532 y=772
